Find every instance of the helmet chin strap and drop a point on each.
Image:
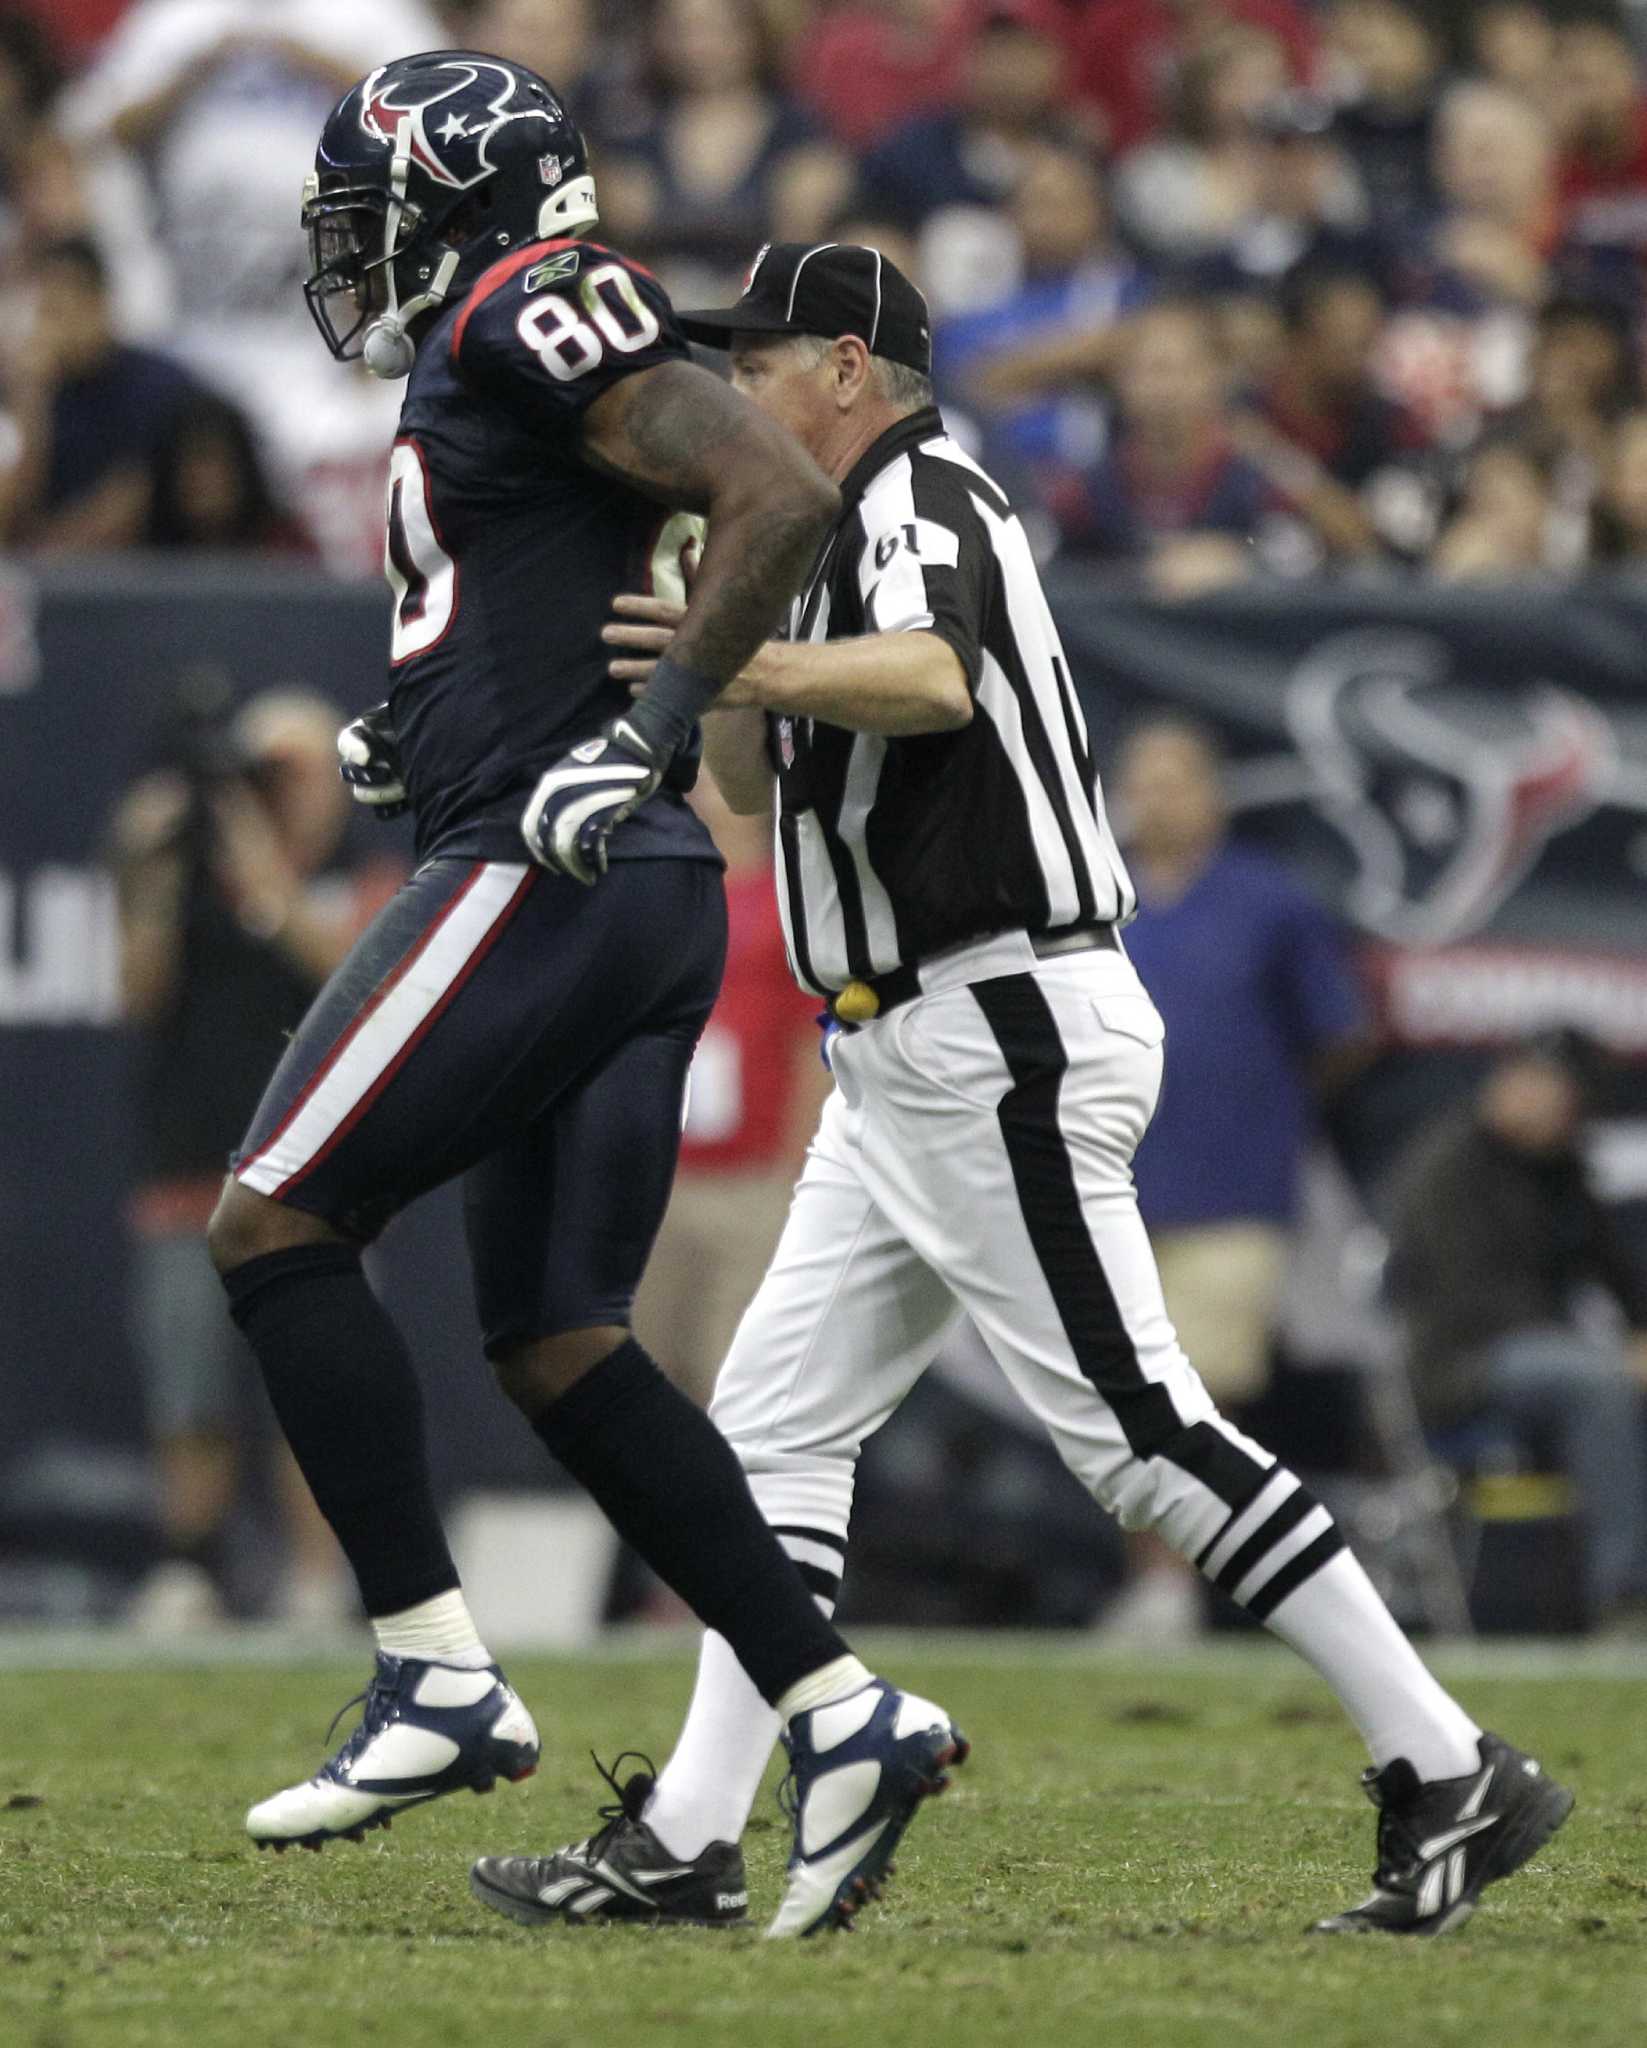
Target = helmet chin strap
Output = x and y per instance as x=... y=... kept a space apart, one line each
x=388 y=351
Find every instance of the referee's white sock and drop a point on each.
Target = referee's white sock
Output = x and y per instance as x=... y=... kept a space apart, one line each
x=1337 y=1622
x=442 y=1630
x=707 y=1789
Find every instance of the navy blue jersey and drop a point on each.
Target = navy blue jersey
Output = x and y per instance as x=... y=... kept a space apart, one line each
x=505 y=548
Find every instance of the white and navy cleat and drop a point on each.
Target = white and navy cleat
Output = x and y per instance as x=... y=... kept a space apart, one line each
x=858 y=1769
x=427 y=1729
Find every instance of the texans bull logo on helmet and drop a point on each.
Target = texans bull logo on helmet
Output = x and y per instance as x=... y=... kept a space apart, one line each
x=451 y=147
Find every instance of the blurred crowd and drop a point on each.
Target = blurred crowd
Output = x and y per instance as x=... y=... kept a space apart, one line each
x=1222 y=288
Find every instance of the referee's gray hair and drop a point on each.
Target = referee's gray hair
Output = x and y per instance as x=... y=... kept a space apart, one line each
x=897 y=383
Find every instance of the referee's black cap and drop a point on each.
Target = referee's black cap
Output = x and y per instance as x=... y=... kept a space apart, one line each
x=827 y=288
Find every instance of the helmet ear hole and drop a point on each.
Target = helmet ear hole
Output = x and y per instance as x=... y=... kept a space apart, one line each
x=571 y=210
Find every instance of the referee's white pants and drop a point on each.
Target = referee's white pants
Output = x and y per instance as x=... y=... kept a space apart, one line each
x=976 y=1155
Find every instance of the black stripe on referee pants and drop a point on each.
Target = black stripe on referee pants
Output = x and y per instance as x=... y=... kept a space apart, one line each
x=1223 y=1468
x=1021 y=1019
x=1293 y=1574
x=1024 y=1027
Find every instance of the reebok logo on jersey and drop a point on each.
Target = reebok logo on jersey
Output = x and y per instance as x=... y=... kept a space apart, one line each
x=553 y=270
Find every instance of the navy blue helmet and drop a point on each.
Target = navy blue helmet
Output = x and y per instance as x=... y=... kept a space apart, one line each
x=427 y=172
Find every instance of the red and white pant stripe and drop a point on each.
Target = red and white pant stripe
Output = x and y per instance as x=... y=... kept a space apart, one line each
x=385 y=1033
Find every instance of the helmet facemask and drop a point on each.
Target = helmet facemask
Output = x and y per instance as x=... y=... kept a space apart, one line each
x=343 y=226
x=351 y=265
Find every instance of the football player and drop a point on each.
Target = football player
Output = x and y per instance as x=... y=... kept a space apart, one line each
x=523 y=1013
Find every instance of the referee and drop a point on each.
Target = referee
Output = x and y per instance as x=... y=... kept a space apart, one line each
x=934 y=780
x=949 y=884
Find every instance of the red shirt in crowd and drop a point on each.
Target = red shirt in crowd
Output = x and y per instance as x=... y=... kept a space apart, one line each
x=864 y=72
x=743 y=1080
x=1128 y=52
x=76 y=27
x=1606 y=203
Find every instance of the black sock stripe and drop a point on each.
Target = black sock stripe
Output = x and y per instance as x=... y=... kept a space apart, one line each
x=827 y=1585
x=1299 y=1503
x=819 y=1579
x=1291 y=1576
x=1019 y=1016
x=819 y=1536
x=1237 y=1510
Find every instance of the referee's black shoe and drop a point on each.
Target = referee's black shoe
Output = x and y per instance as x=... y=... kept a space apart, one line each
x=1440 y=1844
x=623 y=1872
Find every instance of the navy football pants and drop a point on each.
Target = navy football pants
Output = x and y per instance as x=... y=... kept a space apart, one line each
x=506 y=1024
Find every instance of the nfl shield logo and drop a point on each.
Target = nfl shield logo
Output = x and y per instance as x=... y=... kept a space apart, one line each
x=786 y=742
x=549 y=169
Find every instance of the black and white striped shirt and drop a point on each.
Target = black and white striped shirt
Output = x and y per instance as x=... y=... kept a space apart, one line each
x=891 y=850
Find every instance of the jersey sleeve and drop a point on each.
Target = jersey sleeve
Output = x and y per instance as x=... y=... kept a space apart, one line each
x=925 y=566
x=547 y=331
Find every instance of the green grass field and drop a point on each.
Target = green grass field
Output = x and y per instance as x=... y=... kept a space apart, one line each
x=1129 y=1857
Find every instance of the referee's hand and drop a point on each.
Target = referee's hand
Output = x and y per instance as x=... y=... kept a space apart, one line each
x=643 y=627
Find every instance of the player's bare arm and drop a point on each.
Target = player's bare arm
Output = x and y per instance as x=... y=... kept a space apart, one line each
x=684 y=437
x=895 y=684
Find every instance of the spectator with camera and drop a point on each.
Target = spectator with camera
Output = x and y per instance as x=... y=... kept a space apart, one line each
x=233 y=910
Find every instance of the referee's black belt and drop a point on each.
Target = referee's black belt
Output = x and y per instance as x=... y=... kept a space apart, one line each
x=873 y=995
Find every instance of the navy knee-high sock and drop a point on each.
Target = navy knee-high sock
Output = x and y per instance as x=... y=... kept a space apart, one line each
x=343 y=1387
x=672 y=1487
